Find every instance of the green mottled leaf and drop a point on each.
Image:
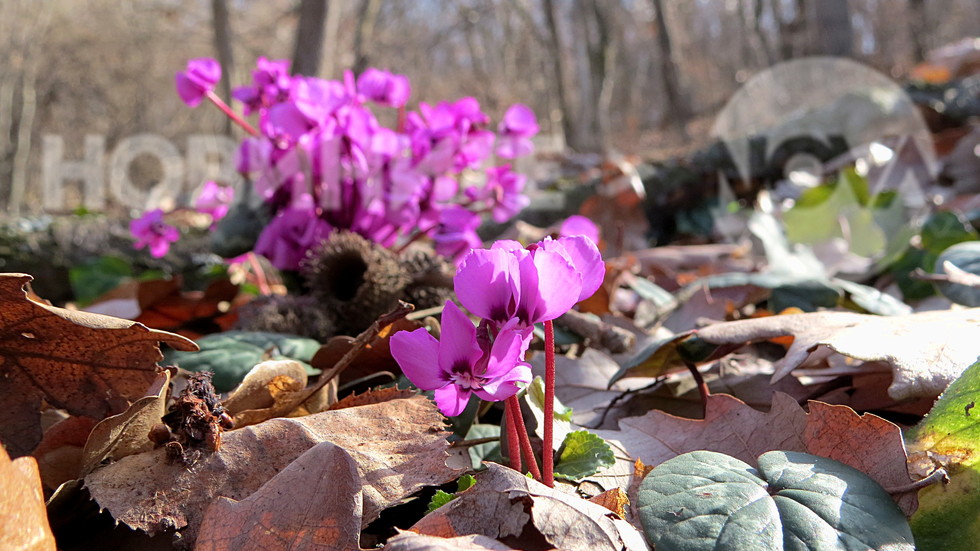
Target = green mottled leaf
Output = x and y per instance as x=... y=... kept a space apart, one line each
x=709 y=501
x=948 y=517
x=965 y=256
x=441 y=498
x=230 y=355
x=583 y=454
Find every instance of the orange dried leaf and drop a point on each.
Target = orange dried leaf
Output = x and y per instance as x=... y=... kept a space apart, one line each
x=24 y=524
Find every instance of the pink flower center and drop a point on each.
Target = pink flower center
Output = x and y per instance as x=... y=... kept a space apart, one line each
x=465 y=379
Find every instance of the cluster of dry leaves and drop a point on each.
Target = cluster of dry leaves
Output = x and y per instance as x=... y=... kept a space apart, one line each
x=86 y=419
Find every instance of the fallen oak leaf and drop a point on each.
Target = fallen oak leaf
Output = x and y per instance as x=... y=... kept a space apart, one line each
x=399 y=446
x=88 y=364
x=926 y=350
x=313 y=504
x=733 y=428
x=59 y=455
x=515 y=510
x=25 y=519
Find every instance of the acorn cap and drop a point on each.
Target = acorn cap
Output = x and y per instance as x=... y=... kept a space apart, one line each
x=431 y=282
x=355 y=279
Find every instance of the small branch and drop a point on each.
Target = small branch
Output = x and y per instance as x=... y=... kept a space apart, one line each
x=939 y=475
x=702 y=386
x=474 y=442
x=953 y=275
x=604 y=335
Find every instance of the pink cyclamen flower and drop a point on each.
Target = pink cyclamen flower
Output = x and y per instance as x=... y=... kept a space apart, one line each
x=200 y=77
x=515 y=132
x=214 y=199
x=384 y=87
x=151 y=231
x=579 y=225
x=460 y=364
x=532 y=285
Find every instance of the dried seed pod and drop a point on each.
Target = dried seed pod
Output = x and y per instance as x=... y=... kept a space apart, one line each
x=355 y=279
x=296 y=315
x=431 y=281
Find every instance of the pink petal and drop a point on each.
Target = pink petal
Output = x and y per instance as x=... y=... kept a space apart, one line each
x=505 y=386
x=507 y=351
x=486 y=283
x=584 y=255
x=550 y=286
x=451 y=400
x=416 y=352
x=458 y=342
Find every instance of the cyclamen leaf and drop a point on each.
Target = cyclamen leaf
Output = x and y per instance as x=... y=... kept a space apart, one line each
x=949 y=437
x=439 y=499
x=583 y=454
x=710 y=501
x=232 y=354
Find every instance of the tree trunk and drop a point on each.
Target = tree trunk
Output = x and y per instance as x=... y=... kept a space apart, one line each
x=918 y=27
x=678 y=110
x=367 y=17
x=222 y=45
x=308 y=50
x=832 y=32
x=558 y=67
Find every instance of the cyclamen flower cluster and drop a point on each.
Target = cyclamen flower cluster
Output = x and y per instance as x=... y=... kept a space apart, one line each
x=511 y=288
x=152 y=232
x=321 y=160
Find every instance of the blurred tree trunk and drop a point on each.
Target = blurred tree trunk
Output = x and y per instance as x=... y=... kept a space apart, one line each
x=792 y=29
x=367 y=17
x=222 y=45
x=917 y=29
x=677 y=110
x=602 y=63
x=334 y=12
x=832 y=32
x=308 y=50
x=557 y=55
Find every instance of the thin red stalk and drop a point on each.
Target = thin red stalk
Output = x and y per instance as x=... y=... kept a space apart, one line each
x=702 y=386
x=548 y=452
x=532 y=464
x=513 y=444
x=231 y=114
x=259 y=274
x=418 y=235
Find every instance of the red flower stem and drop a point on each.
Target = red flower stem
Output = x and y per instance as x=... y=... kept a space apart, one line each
x=513 y=446
x=231 y=114
x=548 y=451
x=532 y=463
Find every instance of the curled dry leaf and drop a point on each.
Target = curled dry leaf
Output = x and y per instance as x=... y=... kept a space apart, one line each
x=733 y=428
x=399 y=446
x=127 y=433
x=927 y=350
x=59 y=455
x=24 y=524
x=313 y=504
x=271 y=389
x=410 y=541
x=87 y=364
x=515 y=510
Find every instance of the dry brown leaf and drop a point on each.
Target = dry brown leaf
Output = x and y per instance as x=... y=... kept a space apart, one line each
x=399 y=446
x=127 y=433
x=88 y=364
x=511 y=508
x=373 y=397
x=410 y=541
x=615 y=500
x=165 y=305
x=313 y=504
x=59 y=455
x=866 y=442
x=23 y=517
x=926 y=350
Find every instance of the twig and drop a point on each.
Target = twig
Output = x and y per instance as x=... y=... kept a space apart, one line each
x=604 y=335
x=939 y=475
